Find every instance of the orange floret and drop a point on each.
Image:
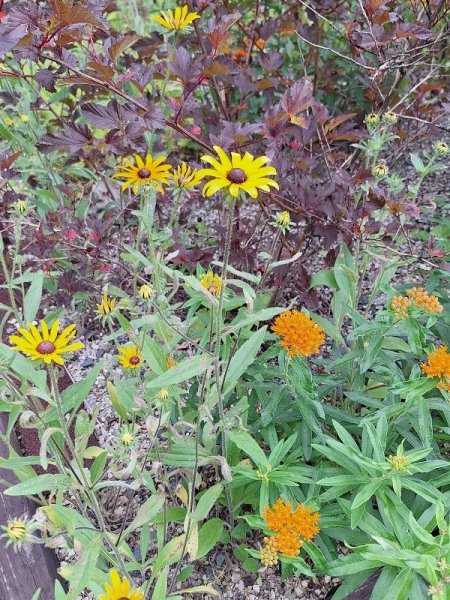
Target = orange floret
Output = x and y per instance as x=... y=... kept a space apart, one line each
x=424 y=300
x=300 y=335
x=399 y=306
x=438 y=365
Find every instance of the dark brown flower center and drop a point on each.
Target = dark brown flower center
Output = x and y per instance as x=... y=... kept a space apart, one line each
x=135 y=360
x=144 y=173
x=236 y=176
x=46 y=347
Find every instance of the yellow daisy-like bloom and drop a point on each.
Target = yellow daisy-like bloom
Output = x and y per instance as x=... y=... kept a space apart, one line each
x=212 y=282
x=8 y=122
x=21 y=206
x=127 y=438
x=16 y=530
x=146 y=292
x=177 y=19
x=163 y=394
x=238 y=173
x=438 y=365
x=120 y=589
x=300 y=335
x=24 y=118
x=107 y=305
x=185 y=177
x=130 y=357
x=152 y=171
x=46 y=344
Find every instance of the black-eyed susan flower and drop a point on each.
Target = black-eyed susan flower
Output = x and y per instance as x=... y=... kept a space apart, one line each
x=177 y=19
x=185 y=177
x=146 y=292
x=300 y=335
x=238 y=173
x=45 y=344
x=21 y=206
x=130 y=357
x=162 y=395
x=441 y=148
x=282 y=220
x=380 y=170
x=19 y=531
x=372 y=119
x=8 y=122
x=106 y=305
x=149 y=172
x=212 y=282
x=390 y=118
x=120 y=589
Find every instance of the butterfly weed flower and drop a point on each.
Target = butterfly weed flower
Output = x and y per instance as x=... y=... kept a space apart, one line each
x=400 y=307
x=291 y=528
x=106 y=305
x=424 y=300
x=120 y=589
x=185 y=177
x=212 y=282
x=149 y=172
x=171 y=362
x=130 y=357
x=438 y=366
x=237 y=174
x=47 y=344
x=300 y=335
x=176 y=19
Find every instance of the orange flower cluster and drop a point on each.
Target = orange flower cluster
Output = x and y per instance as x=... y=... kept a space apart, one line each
x=399 y=306
x=300 y=335
x=438 y=365
x=291 y=528
x=423 y=299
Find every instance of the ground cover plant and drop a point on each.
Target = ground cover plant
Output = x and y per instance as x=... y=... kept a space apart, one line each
x=216 y=221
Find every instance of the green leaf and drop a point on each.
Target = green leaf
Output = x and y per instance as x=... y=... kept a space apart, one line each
x=208 y=536
x=247 y=444
x=85 y=565
x=160 y=591
x=38 y=484
x=243 y=358
x=206 y=502
x=146 y=513
x=186 y=369
x=366 y=492
x=33 y=297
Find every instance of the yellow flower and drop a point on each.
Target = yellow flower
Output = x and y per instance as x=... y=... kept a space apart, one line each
x=238 y=173
x=185 y=177
x=372 y=119
x=21 y=206
x=283 y=218
x=390 y=118
x=380 y=170
x=153 y=172
x=176 y=19
x=107 y=304
x=127 y=438
x=146 y=292
x=16 y=530
x=163 y=394
x=20 y=531
x=291 y=528
x=438 y=365
x=212 y=282
x=8 y=122
x=46 y=344
x=120 y=589
x=130 y=357
x=24 y=118
x=300 y=335
x=269 y=553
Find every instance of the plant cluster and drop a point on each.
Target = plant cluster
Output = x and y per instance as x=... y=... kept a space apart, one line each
x=312 y=443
